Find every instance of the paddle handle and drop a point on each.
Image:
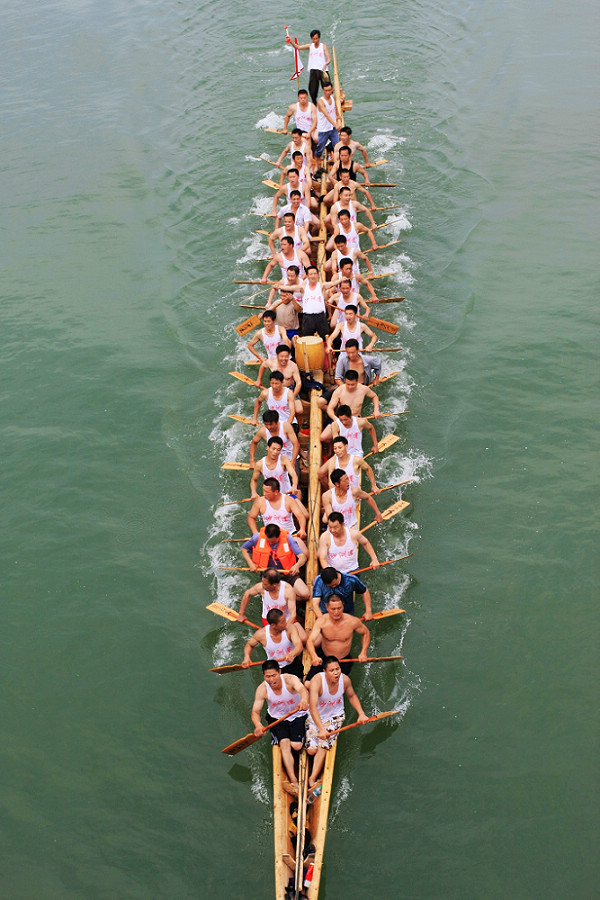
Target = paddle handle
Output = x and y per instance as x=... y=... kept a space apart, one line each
x=354 y=724
x=384 y=563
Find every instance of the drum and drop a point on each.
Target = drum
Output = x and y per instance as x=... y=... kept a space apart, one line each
x=310 y=353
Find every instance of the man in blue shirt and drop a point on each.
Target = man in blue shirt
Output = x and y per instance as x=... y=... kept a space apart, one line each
x=329 y=582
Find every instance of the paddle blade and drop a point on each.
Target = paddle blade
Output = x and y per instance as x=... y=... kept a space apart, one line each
x=243 y=378
x=235 y=667
x=237 y=467
x=247 y=326
x=388 y=513
x=384 y=615
x=385 y=443
x=383 y=715
x=226 y=612
x=382 y=325
x=244 y=419
x=241 y=744
x=388 y=377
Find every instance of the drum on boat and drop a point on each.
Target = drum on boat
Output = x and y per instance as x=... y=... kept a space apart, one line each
x=310 y=353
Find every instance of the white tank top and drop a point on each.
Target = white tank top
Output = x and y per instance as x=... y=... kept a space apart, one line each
x=313 y=301
x=351 y=236
x=348 y=206
x=286 y=263
x=350 y=472
x=271 y=341
x=316 y=57
x=347 y=508
x=353 y=435
x=280 y=704
x=328 y=704
x=280 y=517
x=289 y=189
x=342 y=304
x=277 y=603
x=282 y=406
x=349 y=254
x=348 y=335
x=304 y=116
x=279 y=473
x=297 y=243
x=323 y=123
x=344 y=558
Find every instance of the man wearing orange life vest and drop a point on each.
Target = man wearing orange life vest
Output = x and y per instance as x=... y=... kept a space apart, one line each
x=273 y=548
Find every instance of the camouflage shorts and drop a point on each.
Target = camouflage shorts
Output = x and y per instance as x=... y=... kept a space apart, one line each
x=312 y=741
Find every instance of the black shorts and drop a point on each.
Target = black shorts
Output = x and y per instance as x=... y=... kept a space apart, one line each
x=293 y=731
x=294 y=668
x=312 y=322
x=314 y=670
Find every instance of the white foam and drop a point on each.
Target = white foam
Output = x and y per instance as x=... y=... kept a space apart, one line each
x=271 y=120
x=383 y=143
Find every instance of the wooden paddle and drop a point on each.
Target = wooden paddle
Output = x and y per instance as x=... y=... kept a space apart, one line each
x=381 y=324
x=385 y=613
x=384 y=563
x=246 y=421
x=391 y=712
x=248 y=325
x=237 y=667
x=263 y=231
x=388 y=377
x=255 y=281
x=252 y=362
x=270 y=183
x=275 y=130
x=382 y=208
x=228 y=613
x=384 y=415
x=251 y=738
x=237 y=467
x=388 y=300
x=381 y=184
x=372 y=165
x=244 y=378
x=234 y=502
x=390 y=486
x=250 y=306
x=389 y=349
x=388 y=513
x=369 y=277
x=388 y=441
x=381 y=246
x=385 y=224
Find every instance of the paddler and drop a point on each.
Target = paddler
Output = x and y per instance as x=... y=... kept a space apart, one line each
x=283 y=693
x=274 y=427
x=342 y=252
x=356 y=279
x=346 y=181
x=339 y=300
x=338 y=546
x=314 y=311
x=349 y=393
x=271 y=335
x=344 y=586
x=290 y=229
x=344 y=499
x=346 y=140
x=352 y=428
x=273 y=548
x=282 y=362
x=279 y=508
x=332 y=634
x=368 y=367
x=345 y=161
x=275 y=594
x=318 y=61
x=351 y=465
x=328 y=121
x=351 y=231
x=304 y=216
x=304 y=113
x=278 y=397
x=293 y=184
x=352 y=328
x=326 y=713
x=346 y=201
x=274 y=465
x=287 y=312
x=287 y=256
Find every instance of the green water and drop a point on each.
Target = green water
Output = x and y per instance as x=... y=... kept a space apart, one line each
x=129 y=168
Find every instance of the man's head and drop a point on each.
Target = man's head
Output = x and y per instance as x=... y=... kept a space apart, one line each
x=271 y=489
x=339 y=477
x=340 y=445
x=331 y=577
x=270 y=578
x=272 y=532
x=269 y=317
x=335 y=524
x=283 y=355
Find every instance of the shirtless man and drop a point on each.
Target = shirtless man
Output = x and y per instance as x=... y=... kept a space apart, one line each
x=352 y=428
x=279 y=508
x=344 y=499
x=274 y=594
x=270 y=334
x=273 y=427
x=352 y=466
x=274 y=465
x=293 y=184
x=326 y=714
x=368 y=367
x=304 y=113
x=346 y=181
x=338 y=546
x=283 y=693
x=350 y=329
x=277 y=397
x=345 y=201
x=287 y=256
x=339 y=300
x=350 y=393
x=333 y=633
x=346 y=140
x=290 y=229
x=318 y=60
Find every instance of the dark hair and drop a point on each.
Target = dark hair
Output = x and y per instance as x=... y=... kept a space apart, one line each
x=295 y=193
x=270 y=664
x=286 y=239
x=351 y=374
x=302 y=91
x=291 y=170
x=308 y=268
x=274 y=440
x=271 y=483
x=298 y=153
x=269 y=314
x=343 y=147
x=346 y=129
x=294 y=269
x=344 y=212
x=272 y=531
x=354 y=308
x=290 y=213
x=343 y=410
x=346 y=261
x=281 y=348
x=336 y=517
x=340 y=239
x=329 y=575
x=315 y=31
x=345 y=170
x=340 y=437
x=272 y=575
x=330 y=659
x=337 y=475
x=271 y=415
x=273 y=616
x=277 y=375
x=352 y=343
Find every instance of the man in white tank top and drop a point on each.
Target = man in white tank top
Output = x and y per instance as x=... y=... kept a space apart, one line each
x=273 y=465
x=326 y=712
x=340 y=298
x=279 y=508
x=351 y=328
x=283 y=693
x=290 y=229
x=287 y=256
x=344 y=499
x=352 y=427
x=271 y=335
x=293 y=184
x=318 y=61
x=351 y=231
x=277 y=397
x=346 y=201
x=338 y=546
x=275 y=594
x=282 y=362
x=304 y=113
x=274 y=427
x=328 y=121
x=352 y=465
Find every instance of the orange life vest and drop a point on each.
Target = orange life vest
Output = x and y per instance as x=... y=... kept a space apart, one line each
x=262 y=551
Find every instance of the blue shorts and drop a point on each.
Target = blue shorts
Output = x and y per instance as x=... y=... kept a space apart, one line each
x=292 y=332
x=325 y=136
